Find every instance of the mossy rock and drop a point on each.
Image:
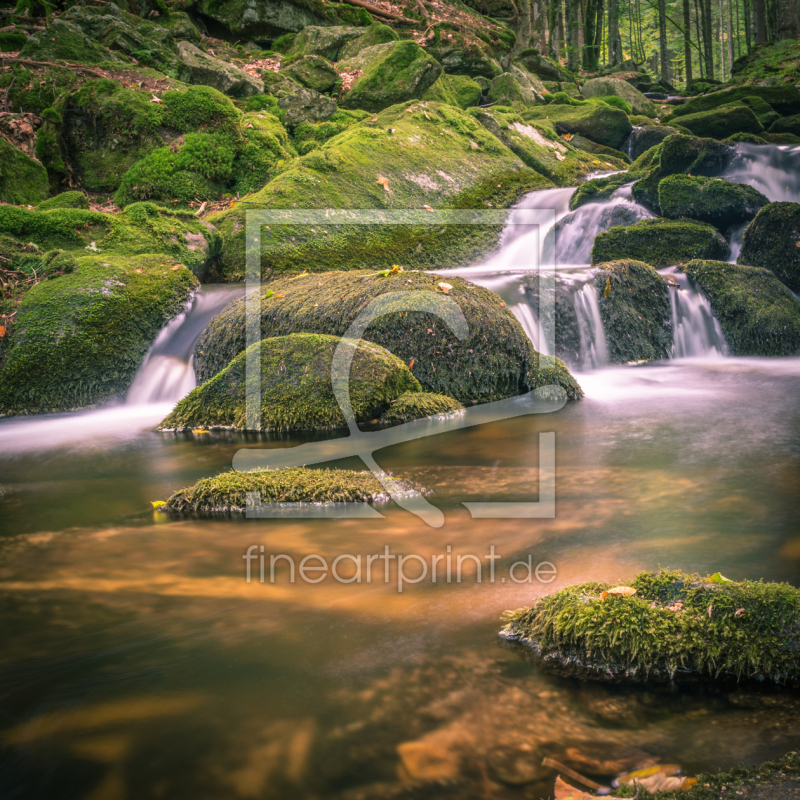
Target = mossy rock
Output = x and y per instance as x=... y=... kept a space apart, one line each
x=539 y=147
x=142 y=228
x=782 y=138
x=588 y=146
x=494 y=361
x=221 y=75
x=541 y=66
x=746 y=138
x=507 y=90
x=602 y=87
x=391 y=73
x=314 y=72
x=476 y=60
x=644 y=137
x=712 y=200
x=280 y=84
x=72 y=199
x=600 y=123
x=764 y=112
x=772 y=241
x=296 y=387
x=758 y=314
x=78 y=339
x=65 y=41
x=377 y=33
x=784 y=99
x=436 y=155
x=635 y=309
x=308 y=136
x=721 y=122
x=600 y=188
x=326 y=41
x=180 y=25
x=23 y=180
x=227 y=493
x=265 y=150
x=660 y=242
x=456 y=90
x=786 y=125
x=675 y=625
x=304 y=106
x=418 y=405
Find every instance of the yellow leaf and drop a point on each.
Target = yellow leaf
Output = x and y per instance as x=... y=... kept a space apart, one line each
x=444 y=288
x=618 y=591
x=718 y=578
x=157 y=503
x=197 y=431
x=383 y=182
x=568 y=137
x=177 y=266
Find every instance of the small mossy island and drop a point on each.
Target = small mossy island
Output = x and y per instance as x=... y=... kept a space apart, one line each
x=227 y=493
x=664 y=626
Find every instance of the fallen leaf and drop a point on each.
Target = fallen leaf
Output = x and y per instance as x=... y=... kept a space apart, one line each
x=738 y=611
x=411 y=364
x=374 y=119
x=155 y=99
x=618 y=591
x=2 y=331
x=607 y=289
x=428 y=208
x=568 y=137
x=710 y=609
x=198 y=431
x=444 y=288
x=157 y=503
x=409 y=111
x=140 y=270
x=201 y=209
x=719 y=578
x=383 y=182
x=177 y=266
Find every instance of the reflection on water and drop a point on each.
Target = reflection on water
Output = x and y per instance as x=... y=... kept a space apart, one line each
x=138 y=663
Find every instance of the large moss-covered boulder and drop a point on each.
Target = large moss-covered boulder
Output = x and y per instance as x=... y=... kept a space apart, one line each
x=507 y=90
x=784 y=99
x=308 y=136
x=772 y=241
x=635 y=309
x=227 y=493
x=142 y=228
x=722 y=122
x=209 y=71
x=542 y=67
x=306 y=106
x=296 y=387
x=318 y=40
x=538 y=146
x=598 y=122
x=455 y=90
x=390 y=73
x=786 y=125
x=643 y=137
x=180 y=25
x=23 y=180
x=660 y=242
x=764 y=112
x=315 y=72
x=610 y=156
x=251 y=19
x=758 y=314
x=78 y=339
x=476 y=59
x=604 y=87
x=495 y=360
x=436 y=156
x=418 y=405
x=666 y=625
x=65 y=41
x=713 y=200
x=377 y=33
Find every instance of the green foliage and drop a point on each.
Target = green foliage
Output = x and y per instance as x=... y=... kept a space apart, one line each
x=675 y=624
x=758 y=314
x=296 y=389
x=227 y=493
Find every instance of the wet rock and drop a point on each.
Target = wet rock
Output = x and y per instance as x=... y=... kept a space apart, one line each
x=516 y=765
x=771 y=241
x=418 y=405
x=712 y=200
x=218 y=74
x=644 y=137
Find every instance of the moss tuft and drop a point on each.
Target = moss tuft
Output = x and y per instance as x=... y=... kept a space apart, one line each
x=675 y=625
x=71 y=199
x=22 y=179
x=417 y=405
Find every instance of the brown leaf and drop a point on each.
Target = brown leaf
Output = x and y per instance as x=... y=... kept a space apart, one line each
x=2 y=331
x=177 y=266
x=618 y=591
x=428 y=208
x=738 y=612
x=383 y=182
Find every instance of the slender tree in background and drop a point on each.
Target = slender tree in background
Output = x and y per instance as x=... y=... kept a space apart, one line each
x=687 y=39
x=573 y=24
x=708 y=37
x=730 y=37
x=614 y=38
x=788 y=26
x=662 y=40
x=522 y=29
x=591 y=52
x=722 y=73
x=701 y=51
x=539 y=25
x=553 y=49
x=748 y=25
x=760 y=8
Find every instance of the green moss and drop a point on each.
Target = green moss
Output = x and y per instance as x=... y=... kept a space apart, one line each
x=79 y=339
x=787 y=125
x=296 y=390
x=227 y=493
x=722 y=122
x=315 y=72
x=782 y=138
x=417 y=405
x=71 y=199
x=507 y=91
x=29 y=91
x=676 y=624
x=325 y=41
x=391 y=73
x=647 y=136
x=65 y=41
x=377 y=33
x=598 y=122
x=22 y=179
x=771 y=241
x=588 y=146
x=437 y=155
x=748 y=138
x=712 y=200
x=455 y=90
x=10 y=42
x=496 y=359
x=600 y=188
x=310 y=135
x=659 y=242
x=611 y=87
x=784 y=99
x=614 y=102
x=758 y=314
x=635 y=309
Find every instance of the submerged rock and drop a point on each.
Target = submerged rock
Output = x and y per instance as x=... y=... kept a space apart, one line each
x=660 y=242
x=771 y=241
x=712 y=200
x=78 y=339
x=494 y=361
x=227 y=493
x=296 y=387
x=758 y=314
x=672 y=625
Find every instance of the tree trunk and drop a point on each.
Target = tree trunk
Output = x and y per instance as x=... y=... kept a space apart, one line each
x=788 y=26
x=687 y=39
x=721 y=28
x=538 y=22
x=698 y=33
x=562 y=28
x=523 y=27
x=662 y=39
x=552 y=29
x=614 y=39
x=708 y=35
x=761 y=21
x=730 y=36
x=573 y=24
x=590 y=59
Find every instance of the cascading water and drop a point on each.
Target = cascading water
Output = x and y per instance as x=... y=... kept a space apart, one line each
x=594 y=353
x=697 y=332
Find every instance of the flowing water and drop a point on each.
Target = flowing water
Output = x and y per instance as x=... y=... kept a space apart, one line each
x=138 y=662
